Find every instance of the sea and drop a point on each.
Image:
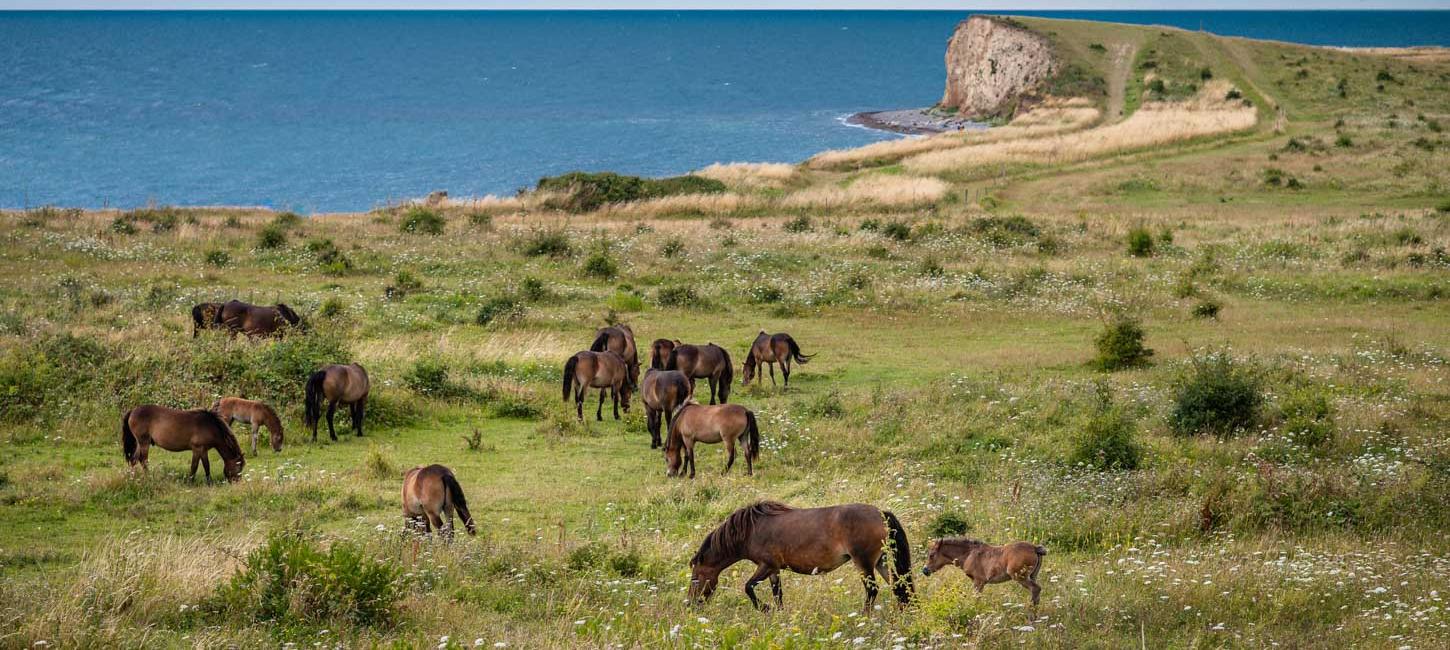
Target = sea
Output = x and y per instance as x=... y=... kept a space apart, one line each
x=345 y=111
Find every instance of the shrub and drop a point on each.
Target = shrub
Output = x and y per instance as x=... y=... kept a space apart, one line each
x=533 y=289
x=286 y=220
x=272 y=236
x=828 y=405
x=329 y=257
x=218 y=258
x=931 y=267
x=1207 y=309
x=429 y=377
x=500 y=309
x=1120 y=345
x=421 y=220
x=550 y=243
x=600 y=265
x=1106 y=442
x=1232 y=94
x=1308 y=418
x=687 y=184
x=672 y=247
x=798 y=224
x=290 y=578
x=1216 y=395
x=947 y=524
x=1140 y=242
x=1273 y=176
x=869 y=225
x=232 y=222
x=586 y=192
x=678 y=296
x=897 y=230
x=480 y=220
x=766 y=294
x=123 y=226
x=332 y=307
x=626 y=301
x=1343 y=141
x=515 y=406
x=404 y=283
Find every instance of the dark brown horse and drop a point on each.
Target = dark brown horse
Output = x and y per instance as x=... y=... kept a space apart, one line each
x=770 y=349
x=602 y=370
x=659 y=352
x=346 y=384
x=709 y=361
x=258 y=321
x=662 y=392
x=986 y=564
x=711 y=424
x=808 y=541
x=619 y=339
x=203 y=317
x=198 y=430
x=430 y=496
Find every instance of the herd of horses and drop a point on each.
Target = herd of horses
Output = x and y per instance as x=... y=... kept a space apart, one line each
x=774 y=536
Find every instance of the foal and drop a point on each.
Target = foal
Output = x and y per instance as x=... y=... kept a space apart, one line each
x=429 y=495
x=770 y=349
x=710 y=424
x=986 y=564
x=255 y=414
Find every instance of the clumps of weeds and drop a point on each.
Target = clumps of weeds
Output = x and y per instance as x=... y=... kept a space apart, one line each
x=1215 y=394
x=1308 y=418
x=481 y=220
x=271 y=237
x=600 y=265
x=897 y=230
x=798 y=225
x=1120 y=346
x=162 y=220
x=948 y=524
x=679 y=296
x=586 y=191
x=931 y=267
x=827 y=405
x=500 y=309
x=1207 y=308
x=123 y=226
x=330 y=259
x=1107 y=441
x=721 y=223
x=403 y=284
x=765 y=294
x=218 y=258
x=672 y=248
x=626 y=300
x=1004 y=232
x=429 y=377
x=287 y=220
x=512 y=405
x=290 y=577
x=422 y=221
x=379 y=465
x=553 y=243
x=332 y=307
x=532 y=289
x=1140 y=241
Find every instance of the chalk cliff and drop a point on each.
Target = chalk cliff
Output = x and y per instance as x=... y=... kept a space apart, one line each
x=995 y=67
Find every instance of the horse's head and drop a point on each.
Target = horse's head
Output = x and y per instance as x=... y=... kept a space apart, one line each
x=703 y=579
x=747 y=369
x=232 y=469
x=291 y=317
x=945 y=552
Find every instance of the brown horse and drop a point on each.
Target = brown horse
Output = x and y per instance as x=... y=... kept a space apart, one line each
x=258 y=321
x=986 y=564
x=429 y=495
x=255 y=414
x=769 y=349
x=662 y=392
x=346 y=384
x=602 y=370
x=619 y=339
x=710 y=424
x=659 y=352
x=709 y=361
x=808 y=541
x=175 y=430
x=203 y=317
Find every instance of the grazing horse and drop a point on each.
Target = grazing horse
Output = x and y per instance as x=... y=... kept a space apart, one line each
x=986 y=564
x=662 y=392
x=808 y=541
x=257 y=321
x=602 y=370
x=769 y=349
x=709 y=361
x=659 y=352
x=710 y=424
x=203 y=317
x=347 y=384
x=255 y=414
x=175 y=430
x=619 y=340
x=431 y=493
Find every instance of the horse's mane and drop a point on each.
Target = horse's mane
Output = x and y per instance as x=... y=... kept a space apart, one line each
x=288 y=314
x=961 y=541
x=228 y=439
x=730 y=536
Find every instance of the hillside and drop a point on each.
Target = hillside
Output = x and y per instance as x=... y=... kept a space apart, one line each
x=1183 y=322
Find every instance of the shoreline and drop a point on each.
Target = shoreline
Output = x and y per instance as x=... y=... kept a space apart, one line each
x=914 y=121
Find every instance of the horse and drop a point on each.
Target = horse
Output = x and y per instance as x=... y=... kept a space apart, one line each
x=659 y=352
x=662 y=392
x=255 y=414
x=710 y=424
x=619 y=339
x=602 y=370
x=986 y=564
x=257 y=321
x=203 y=317
x=709 y=361
x=769 y=349
x=347 y=384
x=171 y=429
x=807 y=541
x=431 y=493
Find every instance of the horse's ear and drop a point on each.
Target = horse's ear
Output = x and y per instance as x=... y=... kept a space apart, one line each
x=677 y=343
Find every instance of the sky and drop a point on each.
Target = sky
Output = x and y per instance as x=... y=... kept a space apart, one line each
x=1021 y=5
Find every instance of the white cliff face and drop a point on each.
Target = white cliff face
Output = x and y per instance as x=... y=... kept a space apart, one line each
x=994 y=68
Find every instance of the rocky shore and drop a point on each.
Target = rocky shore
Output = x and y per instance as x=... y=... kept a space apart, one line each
x=914 y=121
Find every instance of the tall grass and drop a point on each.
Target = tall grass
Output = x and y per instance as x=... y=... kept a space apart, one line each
x=883 y=190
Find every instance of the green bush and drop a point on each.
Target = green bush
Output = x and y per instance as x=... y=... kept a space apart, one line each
x=869 y=225
x=429 y=377
x=672 y=248
x=765 y=294
x=218 y=258
x=532 y=289
x=1140 y=242
x=1106 y=442
x=421 y=220
x=1215 y=395
x=1120 y=345
x=500 y=309
x=626 y=301
x=291 y=578
x=1308 y=418
x=123 y=226
x=332 y=307
x=678 y=296
x=798 y=224
x=1004 y=232
x=1207 y=308
x=827 y=405
x=510 y=405
x=600 y=265
x=586 y=192
x=480 y=220
x=898 y=230
x=330 y=259
x=947 y=524
x=287 y=220
x=272 y=236
x=550 y=243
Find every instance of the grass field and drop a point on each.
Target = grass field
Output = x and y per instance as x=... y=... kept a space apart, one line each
x=1276 y=472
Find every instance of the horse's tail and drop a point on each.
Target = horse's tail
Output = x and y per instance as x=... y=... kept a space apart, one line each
x=1041 y=550
x=727 y=377
x=901 y=548
x=312 y=398
x=751 y=428
x=128 y=439
x=455 y=496
x=198 y=314
x=601 y=342
x=216 y=316
x=795 y=351
x=569 y=367
x=672 y=362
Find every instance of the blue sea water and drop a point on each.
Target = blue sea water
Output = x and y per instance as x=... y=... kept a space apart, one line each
x=327 y=111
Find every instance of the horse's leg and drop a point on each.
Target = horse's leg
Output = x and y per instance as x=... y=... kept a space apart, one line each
x=253 y=426
x=711 y=379
x=868 y=580
x=195 y=460
x=143 y=451
x=599 y=412
x=775 y=590
x=614 y=399
x=772 y=373
x=690 y=456
x=357 y=416
x=579 y=403
x=762 y=572
x=206 y=465
x=785 y=371
x=651 y=422
x=331 y=410
x=730 y=457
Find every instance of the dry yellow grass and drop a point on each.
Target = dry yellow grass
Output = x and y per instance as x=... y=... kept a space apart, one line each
x=750 y=175
x=1153 y=124
x=665 y=206
x=1059 y=117
x=878 y=189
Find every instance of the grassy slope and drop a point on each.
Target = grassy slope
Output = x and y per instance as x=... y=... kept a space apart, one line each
x=961 y=392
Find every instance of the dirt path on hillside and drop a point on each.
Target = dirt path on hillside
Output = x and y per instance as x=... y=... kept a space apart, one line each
x=1118 y=71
